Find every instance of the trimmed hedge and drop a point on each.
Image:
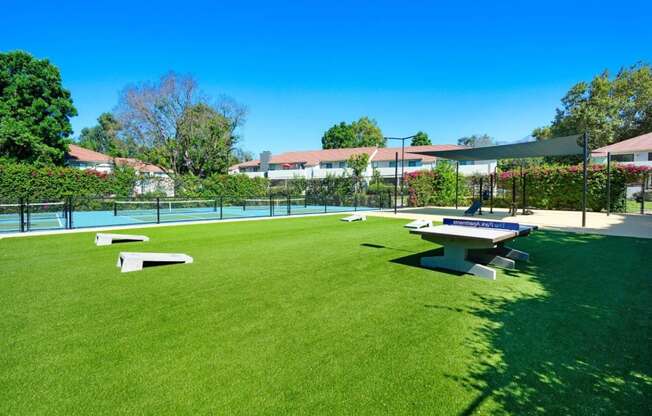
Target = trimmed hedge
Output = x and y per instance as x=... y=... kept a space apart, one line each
x=560 y=187
x=551 y=187
x=55 y=183
x=236 y=186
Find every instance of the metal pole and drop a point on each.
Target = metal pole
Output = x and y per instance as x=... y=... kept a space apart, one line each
x=585 y=173
x=22 y=215
x=69 y=212
x=480 y=210
x=514 y=208
x=491 y=193
x=608 y=183
x=289 y=210
x=643 y=194
x=457 y=181
x=158 y=210
x=271 y=206
x=221 y=206
x=522 y=190
x=395 y=180
x=402 y=169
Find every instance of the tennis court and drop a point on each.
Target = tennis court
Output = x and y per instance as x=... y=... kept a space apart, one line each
x=100 y=212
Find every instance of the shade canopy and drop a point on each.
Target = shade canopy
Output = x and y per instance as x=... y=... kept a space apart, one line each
x=559 y=146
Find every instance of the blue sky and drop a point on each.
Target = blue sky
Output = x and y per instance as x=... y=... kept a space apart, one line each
x=448 y=68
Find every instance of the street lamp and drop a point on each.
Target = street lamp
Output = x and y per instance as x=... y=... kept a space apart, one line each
x=402 y=139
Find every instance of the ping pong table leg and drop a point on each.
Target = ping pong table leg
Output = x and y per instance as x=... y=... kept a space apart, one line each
x=455 y=258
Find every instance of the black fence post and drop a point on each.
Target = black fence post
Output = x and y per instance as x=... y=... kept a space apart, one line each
x=71 y=210
x=158 y=210
x=115 y=209
x=289 y=209
x=457 y=180
x=491 y=192
x=643 y=194
x=481 y=197
x=325 y=203
x=609 y=183
x=21 y=201
x=514 y=208
x=395 y=181
x=271 y=206
x=355 y=202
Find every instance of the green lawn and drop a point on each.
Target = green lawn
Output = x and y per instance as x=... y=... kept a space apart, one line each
x=315 y=316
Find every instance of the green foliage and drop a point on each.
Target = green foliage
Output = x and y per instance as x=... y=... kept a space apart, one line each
x=432 y=187
x=362 y=133
x=476 y=140
x=236 y=186
x=106 y=138
x=331 y=185
x=178 y=127
x=55 y=183
x=560 y=187
x=420 y=139
x=35 y=110
x=203 y=141
x=610 y=110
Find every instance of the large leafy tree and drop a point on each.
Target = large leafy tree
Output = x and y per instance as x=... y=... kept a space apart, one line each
x=476 y=140
x=178 y=126
x=361 y=133
x=35 y=110
x=107 y=137
x=421 y=139
x=610 y=110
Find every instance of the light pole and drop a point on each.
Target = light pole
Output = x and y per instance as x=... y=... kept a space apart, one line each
x=402 y=139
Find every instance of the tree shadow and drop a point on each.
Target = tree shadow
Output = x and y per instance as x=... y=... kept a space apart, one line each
x=581 y=345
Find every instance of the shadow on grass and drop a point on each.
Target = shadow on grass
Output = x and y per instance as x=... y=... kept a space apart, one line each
x=581 y=344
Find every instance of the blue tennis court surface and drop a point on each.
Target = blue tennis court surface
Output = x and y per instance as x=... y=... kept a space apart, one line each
x=101 y=213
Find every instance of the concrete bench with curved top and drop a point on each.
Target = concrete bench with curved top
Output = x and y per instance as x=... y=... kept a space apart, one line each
x=132 y=262
x=105 y=239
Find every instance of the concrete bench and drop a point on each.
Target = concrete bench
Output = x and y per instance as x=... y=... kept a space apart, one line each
x=417 y=224
x=355 y=217
x=131 y=262
x=102 y=239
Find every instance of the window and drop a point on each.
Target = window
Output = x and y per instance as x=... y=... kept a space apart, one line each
x=342 y=165
x=392 y=164
x=623 y=158
x=374 y=165
x=326 y=165
x=414 y=163
x=649 y=156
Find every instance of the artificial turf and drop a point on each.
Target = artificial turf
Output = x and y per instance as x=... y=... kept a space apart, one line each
x=316 y=316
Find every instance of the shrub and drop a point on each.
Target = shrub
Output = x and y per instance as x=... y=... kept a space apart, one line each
x=56 y=183
x=432 y=187
x=560 y=187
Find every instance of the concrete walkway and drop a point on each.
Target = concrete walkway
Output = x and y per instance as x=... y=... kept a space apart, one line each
x=630 y=225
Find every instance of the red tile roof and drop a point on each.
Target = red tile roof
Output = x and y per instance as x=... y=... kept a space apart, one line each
x=640 y=143
x=314 y=157
x=80 y=154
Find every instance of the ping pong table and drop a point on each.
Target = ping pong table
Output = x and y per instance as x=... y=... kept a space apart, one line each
x=471 y=245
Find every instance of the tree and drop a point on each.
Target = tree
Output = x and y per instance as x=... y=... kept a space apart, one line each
x=105 y=138
x=362 y=133
x=178 y=127
x=203 y=140
x=420 y=139
x=609 y=110
x=358 y=164
x=476 y=140
x=35 y=110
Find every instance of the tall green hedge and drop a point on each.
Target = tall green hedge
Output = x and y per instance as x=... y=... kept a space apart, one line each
x=55 y=183
x=560 y=187
x=547 y=187
x=236 y=186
